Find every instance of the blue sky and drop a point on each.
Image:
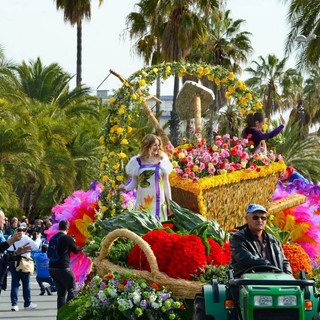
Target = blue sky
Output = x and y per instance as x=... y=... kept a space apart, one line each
x=33 y=28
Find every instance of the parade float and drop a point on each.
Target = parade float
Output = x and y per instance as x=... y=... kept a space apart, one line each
x=145 y=269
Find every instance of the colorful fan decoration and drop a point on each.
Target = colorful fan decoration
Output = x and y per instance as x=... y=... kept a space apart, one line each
x=80 y=210
x=302 y=222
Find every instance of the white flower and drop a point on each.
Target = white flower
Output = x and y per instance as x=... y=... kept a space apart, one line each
x=101 y=295
x=152 y=297
x=155 y=305
x=122 y=303
x=113 y=292
x=136 y=297
x=129 y=304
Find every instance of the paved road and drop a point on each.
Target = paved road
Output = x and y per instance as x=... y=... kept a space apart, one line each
x=47 y=305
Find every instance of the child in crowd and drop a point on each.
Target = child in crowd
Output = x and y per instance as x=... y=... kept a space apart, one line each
x=42 y=267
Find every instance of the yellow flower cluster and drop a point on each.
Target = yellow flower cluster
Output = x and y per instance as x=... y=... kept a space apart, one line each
x=205 y=183
x=223 y=179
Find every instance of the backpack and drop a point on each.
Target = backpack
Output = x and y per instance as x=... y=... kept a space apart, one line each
x=52 y=252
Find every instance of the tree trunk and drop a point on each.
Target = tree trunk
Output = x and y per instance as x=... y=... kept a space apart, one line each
x=197 y=113
x=27 y=197
x=35 y=201
x=79 y=53
x=158 y=85
x=175 y=121
x=155 y=123
x=158 y=94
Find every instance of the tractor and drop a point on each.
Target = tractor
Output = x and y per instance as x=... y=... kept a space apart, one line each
x=261 y=293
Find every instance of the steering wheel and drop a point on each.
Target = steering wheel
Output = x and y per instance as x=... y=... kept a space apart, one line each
x=263 y=268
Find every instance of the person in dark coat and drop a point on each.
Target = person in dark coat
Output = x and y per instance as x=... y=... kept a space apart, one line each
x=59 y=270
x=253 y=130
x=252 y=246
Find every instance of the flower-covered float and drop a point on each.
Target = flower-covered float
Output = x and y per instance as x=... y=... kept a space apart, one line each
x=210 y=179
x=127 y=279
x=188 y=249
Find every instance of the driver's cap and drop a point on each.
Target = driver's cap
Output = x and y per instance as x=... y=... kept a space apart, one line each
x=252 y=207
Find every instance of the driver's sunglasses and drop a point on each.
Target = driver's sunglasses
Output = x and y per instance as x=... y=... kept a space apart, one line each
x=263 y=218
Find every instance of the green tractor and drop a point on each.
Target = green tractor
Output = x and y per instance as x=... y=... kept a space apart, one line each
x=261 y=293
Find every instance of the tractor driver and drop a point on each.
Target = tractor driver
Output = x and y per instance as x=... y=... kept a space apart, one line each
x=252 y=246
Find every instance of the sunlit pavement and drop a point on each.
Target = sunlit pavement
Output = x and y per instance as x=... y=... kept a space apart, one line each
x=47 y=305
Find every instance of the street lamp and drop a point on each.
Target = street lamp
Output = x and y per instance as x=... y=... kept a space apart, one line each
x=304 y=39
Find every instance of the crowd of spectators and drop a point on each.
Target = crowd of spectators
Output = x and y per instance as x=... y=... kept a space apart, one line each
x=35 y=229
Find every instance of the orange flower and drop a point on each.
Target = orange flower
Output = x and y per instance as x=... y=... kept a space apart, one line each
x=121 y=286
x=155 y=286
x=298 y=258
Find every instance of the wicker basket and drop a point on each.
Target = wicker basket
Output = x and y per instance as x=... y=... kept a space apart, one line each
x=180 y=288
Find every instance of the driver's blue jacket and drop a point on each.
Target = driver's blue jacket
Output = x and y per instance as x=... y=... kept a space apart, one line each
x=245 y=253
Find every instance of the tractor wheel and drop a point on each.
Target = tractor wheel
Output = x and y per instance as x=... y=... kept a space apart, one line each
x=199 y=312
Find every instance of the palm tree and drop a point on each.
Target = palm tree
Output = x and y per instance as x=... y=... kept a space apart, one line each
x=229 y=121
x=52 y=119
x=5 y=65
x=84 y=150
x=147 y=28
x=49 y=85
x=293 y=95
x=185 y=23
x=312 y=95
x=301 y=153
x=41 y=83
x=75 y=12
x=226 y=45
x=292 y=85
x=266 y=79
x=19 y=155
x=304 y=20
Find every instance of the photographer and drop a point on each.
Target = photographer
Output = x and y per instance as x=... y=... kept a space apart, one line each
x=37 y=236
x=24 y=277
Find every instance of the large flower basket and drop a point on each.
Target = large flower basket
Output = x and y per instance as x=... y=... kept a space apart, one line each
x=180 y=288
x=224 y=198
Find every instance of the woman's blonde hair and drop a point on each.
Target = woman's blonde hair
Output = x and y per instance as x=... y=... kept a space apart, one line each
x=147 y=143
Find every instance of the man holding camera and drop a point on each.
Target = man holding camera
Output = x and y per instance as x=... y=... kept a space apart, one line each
x=24 y=277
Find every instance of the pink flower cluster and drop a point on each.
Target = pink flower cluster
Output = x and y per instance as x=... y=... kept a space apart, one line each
x=197 y=160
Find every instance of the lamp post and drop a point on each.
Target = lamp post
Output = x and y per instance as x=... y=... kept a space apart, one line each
x=304 y=39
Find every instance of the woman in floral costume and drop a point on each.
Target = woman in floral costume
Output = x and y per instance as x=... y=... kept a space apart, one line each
x=149 y=173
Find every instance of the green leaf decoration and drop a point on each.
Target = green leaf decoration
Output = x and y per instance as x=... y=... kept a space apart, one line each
x=143 y=178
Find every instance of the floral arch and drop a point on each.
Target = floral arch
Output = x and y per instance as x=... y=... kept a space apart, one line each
x=134 y=92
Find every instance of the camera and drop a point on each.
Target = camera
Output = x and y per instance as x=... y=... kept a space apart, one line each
x=37 y=229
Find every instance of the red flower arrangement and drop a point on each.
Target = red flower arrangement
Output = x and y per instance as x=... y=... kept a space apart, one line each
x=218 y=255
x=162 y=244
x=187 y=257
x=168 y=225
x=179 y=256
